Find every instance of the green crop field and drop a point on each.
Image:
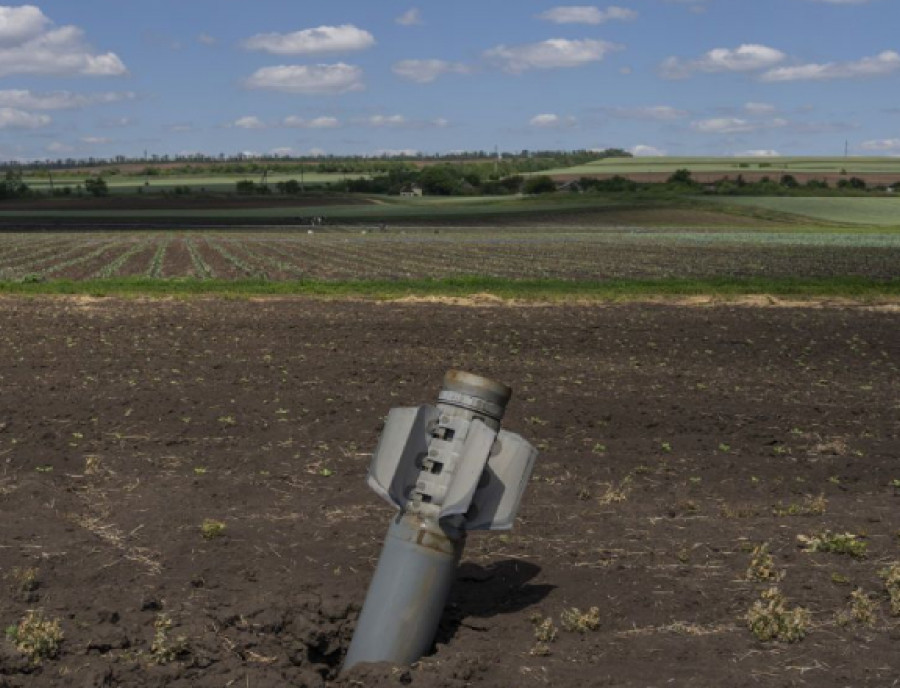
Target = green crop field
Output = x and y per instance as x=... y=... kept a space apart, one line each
x=735 y=166
x=862 y=211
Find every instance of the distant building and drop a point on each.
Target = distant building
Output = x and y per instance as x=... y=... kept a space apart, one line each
x=411 y=191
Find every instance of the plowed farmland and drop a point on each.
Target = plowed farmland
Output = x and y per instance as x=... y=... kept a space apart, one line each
x=183 y=498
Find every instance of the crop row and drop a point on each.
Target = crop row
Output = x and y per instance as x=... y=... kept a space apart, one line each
x=394 y=256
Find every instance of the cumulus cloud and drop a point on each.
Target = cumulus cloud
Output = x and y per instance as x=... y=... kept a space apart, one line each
x=882 y=64
x=19 y=24
x=57 y=147
x=644 y=151
x=427 y=71
x=11 y=118
x=661 y=113
x=412 y=17
x=758 y=153
x=745 y=58
x=550 y=54
x=295 y=122
x=321 y=40
x=31 y=45
x=735 y=125
x=759 y=108
x=206 y=39
x=587 y=14
x=395 y=153
x=881 y=146
x=58 y=100
x=95 y=140
x=552 y=121
x=249 y=122
x=308 y=79
x=402 y=122
x=386 y=121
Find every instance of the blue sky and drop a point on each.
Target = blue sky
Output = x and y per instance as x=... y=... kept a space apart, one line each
x=676 y=77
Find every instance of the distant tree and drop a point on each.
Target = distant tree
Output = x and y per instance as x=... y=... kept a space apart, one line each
x=681 y=177
x=788 y=181
x=245 y=187
x=540 y=184
x=96 y=186
x=441 y=180
x=817 y=184
x=289 y=188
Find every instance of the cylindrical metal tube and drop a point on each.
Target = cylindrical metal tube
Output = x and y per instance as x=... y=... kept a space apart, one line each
x=415 y=572
x=417 y=566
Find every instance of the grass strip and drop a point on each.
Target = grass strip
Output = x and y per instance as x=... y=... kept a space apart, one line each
x=535 y=290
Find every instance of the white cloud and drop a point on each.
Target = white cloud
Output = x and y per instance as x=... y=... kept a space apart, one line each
x=882 y=64
x=881 y=146
x=549 y=54
x=324 y=39
x=643 y=151
x=842 y=2
x=759 y=108
x=283 y=152
x=250 y=122
x=395 y=153
x=95 y=140
x=662 y=113
x=20 y=24
x=551 y=121
x=412 y=17
x=308 y=79
x=735 y=125
x=695 y=6
x=295 y=122
x=29 y=44
x=206 y=39
x=426 y=71
x=587 y=14
x=758 y=153
x=11 y=118
x=57 y=147
x=58 y=100
x=387 y=121
x=745 y=58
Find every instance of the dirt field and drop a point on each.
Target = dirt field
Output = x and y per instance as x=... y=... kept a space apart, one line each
x=674 y=439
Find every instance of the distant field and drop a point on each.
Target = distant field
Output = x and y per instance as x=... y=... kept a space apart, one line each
x=157 y=184
x=862 y=211
x=735 y=166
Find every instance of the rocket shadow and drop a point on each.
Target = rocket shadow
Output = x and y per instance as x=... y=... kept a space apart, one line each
x=482 y=592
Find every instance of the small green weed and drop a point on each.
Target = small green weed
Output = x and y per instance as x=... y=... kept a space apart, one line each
x=211 y=529
x=835 y=543
x=36 y=637
x=762 y=565
x=576 y=621
x=891 y=576
x=770 y=619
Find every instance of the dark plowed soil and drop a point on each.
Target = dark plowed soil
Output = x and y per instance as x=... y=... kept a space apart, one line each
x=198 y=202
x=673 y=440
